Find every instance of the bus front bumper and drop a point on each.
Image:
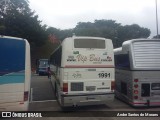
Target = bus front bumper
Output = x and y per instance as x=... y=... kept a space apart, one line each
x=82 y=100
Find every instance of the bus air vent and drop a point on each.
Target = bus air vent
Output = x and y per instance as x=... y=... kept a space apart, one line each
x=77 y=86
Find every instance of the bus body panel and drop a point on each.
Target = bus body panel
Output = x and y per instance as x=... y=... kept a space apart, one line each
x=150 y=95
x=15 y=74
x=137 y=77
x=88 y=80
x=86 y=57
x=85 y=87
x=14 y=106
x=82 y=100
x=13 y=94
x=85 y=75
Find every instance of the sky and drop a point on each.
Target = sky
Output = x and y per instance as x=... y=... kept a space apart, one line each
x=65 y=14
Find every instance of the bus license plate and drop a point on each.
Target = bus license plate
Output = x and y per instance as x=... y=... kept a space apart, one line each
x=90 y=88
x=90 y=98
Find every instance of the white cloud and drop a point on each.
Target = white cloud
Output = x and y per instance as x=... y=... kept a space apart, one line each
x=67 y=13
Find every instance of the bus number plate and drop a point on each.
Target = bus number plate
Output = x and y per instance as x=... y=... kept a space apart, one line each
x=90 y=88
x=90 y=98
x=104 y=75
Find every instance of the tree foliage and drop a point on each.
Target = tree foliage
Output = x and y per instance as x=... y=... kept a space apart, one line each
x=112 y=30
x=60 y=34
x=157 y=36
x=17 y=19
x=104 y=28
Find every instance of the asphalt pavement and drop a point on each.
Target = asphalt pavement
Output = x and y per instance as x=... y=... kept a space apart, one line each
x=41 y=88
x=43 y=100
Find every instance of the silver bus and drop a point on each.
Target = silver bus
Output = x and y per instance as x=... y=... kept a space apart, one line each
x=137 y=79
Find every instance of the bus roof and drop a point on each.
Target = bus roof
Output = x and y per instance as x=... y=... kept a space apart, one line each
x=10 y=37
x=127 y=44
x=83 y=37
x=136 y=40
x=78 y=37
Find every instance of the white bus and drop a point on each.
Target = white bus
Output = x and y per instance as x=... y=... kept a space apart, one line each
x=83 y=69
x=137 y=80
x=15 y=74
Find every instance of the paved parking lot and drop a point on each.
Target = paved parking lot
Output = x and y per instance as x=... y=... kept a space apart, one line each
x=41 y=88
x=43 y=99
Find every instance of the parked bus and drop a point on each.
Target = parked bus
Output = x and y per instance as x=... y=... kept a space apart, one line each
x=42 y=66
x=138 y=72
x=83 y=71
x=15 y=74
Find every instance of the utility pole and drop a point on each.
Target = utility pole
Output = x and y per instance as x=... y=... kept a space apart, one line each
x=156 y=18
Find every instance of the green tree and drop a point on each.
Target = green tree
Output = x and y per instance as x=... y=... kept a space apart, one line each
x=59 y=34
x=103 y=28
x=19 y=21
x=128 y=32
x=112 y=30
x=157 y=36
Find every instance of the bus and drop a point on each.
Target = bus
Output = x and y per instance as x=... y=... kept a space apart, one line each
x=42 y=66
x=82 y=71
x=137 y=76
x=15 y=74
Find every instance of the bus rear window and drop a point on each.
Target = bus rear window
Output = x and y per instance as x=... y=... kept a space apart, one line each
x=89 y=43
x=12 y=55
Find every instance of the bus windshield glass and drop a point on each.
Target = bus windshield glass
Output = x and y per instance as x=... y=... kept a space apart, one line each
x=89 y=43
x=12 y=56
x=43 y=63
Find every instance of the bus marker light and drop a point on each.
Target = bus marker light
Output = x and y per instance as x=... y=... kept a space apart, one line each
x=136 y=85
x=135 y=80
x=65 y=87
x=135 y=97
x=25 y=95
x=21 y=103
x=135 y=91
x=112 y=85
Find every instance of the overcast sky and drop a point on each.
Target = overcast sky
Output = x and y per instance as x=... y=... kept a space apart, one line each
x=64 y=14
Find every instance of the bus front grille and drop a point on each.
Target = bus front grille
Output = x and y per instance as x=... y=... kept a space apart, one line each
x=77 y=86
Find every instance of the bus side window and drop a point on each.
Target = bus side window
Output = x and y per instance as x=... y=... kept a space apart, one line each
x=122 y=61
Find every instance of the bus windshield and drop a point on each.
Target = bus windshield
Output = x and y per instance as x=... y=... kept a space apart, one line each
x=43 y=63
